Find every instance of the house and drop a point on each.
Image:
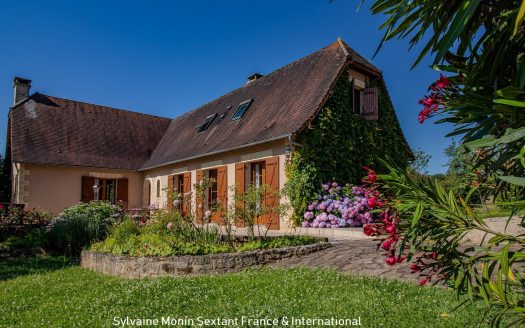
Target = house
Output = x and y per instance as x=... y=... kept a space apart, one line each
x=62 y=151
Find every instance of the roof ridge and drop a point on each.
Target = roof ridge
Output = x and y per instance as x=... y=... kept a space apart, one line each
x=340 y=42
x=356 y=55
x=257 y=81
x=102 y=106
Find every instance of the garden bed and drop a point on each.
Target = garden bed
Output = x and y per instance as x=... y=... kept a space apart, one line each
x=142 y=267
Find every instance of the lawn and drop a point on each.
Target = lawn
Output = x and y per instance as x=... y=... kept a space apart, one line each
x=56 y=293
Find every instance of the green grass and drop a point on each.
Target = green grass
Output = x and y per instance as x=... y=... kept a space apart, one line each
x=72 y=296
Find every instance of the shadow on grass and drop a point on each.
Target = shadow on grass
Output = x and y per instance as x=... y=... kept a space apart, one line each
x=20 y=266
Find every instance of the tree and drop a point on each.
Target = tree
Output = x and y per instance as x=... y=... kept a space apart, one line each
x=480 y=45
x=420 y=163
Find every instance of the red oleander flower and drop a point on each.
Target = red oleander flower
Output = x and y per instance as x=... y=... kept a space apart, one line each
x=443 y=82
x=386 y=245
x=390 y=260
x=391 y=228
x=400 y=259
x=368 y=230
x=373 y=203
x=415 y=267
x=424 y=281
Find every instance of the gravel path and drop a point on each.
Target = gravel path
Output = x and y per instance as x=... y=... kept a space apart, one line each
x=357 y=256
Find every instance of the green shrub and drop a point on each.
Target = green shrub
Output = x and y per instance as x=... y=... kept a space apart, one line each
x=81 y=225
x=276 y=242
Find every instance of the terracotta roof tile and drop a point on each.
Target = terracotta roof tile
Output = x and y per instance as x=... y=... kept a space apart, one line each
x=51 y=130
x=282 y=102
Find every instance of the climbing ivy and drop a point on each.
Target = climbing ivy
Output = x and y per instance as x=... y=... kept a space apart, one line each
x=338 y=142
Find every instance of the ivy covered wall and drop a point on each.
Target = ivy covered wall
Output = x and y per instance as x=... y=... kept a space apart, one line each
x=338 y=142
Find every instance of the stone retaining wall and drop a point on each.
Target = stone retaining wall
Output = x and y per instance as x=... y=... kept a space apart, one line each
x=141 y=267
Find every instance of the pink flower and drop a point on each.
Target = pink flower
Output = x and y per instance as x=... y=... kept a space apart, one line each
x=169 y=226
x=207 y=214
x=423 y=282
x=305 y=224
x=386 y=245
x=415 y=267
x=373 y=203
x=391 y=228
x=443 y=82
x=368 y=230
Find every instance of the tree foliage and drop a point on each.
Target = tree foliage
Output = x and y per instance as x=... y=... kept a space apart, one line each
x=481 y=46
x=339 y=142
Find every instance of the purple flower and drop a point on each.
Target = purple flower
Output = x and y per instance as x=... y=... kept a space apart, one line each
x=308 y=215
x=322 y=225
x=334 y=184
x=328 y=225
x=311 y=207
x=315 y=224
x=305 y=224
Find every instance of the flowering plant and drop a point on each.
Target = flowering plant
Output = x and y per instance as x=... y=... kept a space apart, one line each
x=441 y=91
x=344 y=206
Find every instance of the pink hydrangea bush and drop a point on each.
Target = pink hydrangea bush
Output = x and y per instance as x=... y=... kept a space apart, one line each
x=342 y=206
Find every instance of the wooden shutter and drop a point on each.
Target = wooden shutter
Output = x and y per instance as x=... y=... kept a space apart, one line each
x=370 y=104
x=169 y=193
x=222 y=193
x=187 y=189
x=239 y=188
x=199 y=202
x=271 y=198
x=149 y=192
x=122 y=190
x=87 y=189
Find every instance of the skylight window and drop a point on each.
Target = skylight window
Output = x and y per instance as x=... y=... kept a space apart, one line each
x=207 y=122
x=243 y=107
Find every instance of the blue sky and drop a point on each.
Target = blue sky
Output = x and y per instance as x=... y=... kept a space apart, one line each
x=168 y=57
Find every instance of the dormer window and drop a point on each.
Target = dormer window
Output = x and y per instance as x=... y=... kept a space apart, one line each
x=243 y=107
x=207 y=122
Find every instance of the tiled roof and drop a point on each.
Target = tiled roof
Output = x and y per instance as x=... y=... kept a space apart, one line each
x=282 y=102
x=51 y=130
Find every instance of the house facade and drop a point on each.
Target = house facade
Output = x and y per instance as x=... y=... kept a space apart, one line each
x=61 y=151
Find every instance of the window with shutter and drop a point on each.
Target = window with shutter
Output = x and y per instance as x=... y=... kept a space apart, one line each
x=370 y=104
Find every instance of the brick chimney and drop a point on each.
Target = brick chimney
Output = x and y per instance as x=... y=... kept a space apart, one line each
x=21 y=87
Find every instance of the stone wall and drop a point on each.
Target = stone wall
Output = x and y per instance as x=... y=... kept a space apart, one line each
x=142 y=267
